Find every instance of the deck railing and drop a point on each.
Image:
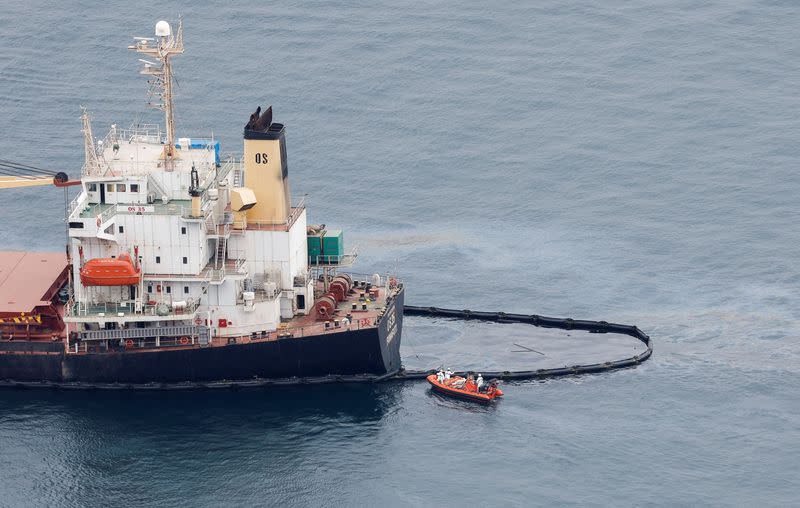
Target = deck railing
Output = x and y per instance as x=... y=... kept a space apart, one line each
x=113 y=310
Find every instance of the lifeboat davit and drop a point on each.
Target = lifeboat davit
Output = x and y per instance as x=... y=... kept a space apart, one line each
x=118 y=271
x=447 y=387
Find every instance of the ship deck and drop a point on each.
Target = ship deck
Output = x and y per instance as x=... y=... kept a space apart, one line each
x=364 y=314
x=367 y=314
x=27 y=279
x=180 y=207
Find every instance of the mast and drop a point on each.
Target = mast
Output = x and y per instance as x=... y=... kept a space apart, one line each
x=162 y=47
x=92 y=164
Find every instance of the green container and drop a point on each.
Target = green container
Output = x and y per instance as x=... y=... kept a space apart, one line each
x=314 y=247
x=326 y=247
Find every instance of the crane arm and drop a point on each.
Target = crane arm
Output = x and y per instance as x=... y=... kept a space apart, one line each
x=15 y=182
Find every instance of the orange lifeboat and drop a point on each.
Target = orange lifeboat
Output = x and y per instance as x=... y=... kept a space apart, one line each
x=118 y=271
x=451 y=387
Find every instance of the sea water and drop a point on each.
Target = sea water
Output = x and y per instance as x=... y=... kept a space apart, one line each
x=633 y=162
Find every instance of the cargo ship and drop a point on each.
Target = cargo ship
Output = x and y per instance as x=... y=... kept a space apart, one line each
x=184 y=265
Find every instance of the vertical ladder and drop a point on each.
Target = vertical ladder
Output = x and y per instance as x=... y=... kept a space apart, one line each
x=219 y=261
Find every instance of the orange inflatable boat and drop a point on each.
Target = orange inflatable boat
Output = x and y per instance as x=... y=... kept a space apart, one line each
x=447 y=388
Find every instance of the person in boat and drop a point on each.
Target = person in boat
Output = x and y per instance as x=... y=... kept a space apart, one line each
x=470 y=384
x=479 y=383
x=440 y=376
x=448 y=373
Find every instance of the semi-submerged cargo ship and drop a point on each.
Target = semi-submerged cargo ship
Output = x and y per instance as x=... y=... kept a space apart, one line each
x=187 y=266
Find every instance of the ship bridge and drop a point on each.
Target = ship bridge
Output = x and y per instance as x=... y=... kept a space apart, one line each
x=140 y=150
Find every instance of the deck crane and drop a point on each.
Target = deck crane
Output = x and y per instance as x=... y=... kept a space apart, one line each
x=14 y=175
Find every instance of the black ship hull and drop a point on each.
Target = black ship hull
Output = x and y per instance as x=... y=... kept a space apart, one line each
x=371 y=351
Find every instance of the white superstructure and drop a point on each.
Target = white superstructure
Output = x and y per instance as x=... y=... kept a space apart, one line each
x=210 y=265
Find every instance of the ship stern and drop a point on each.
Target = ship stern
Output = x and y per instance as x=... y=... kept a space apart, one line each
x=390 y=331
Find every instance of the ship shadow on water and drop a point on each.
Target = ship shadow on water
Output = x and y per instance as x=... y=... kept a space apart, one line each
x=245 y=410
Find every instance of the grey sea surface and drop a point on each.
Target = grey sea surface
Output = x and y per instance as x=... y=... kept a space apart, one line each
x=634 y=162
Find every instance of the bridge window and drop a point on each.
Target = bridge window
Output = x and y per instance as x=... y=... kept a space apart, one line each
x=183 y=231
x=120 y=187
x=169 y=289
x=121 y=229
x=92 y=187
x=158 y=259
x=134 y=187
x=185 y=260
x=186 y=290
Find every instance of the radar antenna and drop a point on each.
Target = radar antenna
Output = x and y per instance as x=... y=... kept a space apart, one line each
x=165 y=44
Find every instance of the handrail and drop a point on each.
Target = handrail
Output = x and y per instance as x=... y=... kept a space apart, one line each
x=83 y=309
x=294 y=214
x=73 y=205
x=334 y=259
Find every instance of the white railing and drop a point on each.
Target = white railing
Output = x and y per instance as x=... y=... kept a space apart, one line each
x=145 y=133
x=73 y=205
x=295 y=212
x=112 y=310
x=335 y=259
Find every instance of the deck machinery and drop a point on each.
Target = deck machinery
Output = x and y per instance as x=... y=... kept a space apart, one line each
x=184 y=265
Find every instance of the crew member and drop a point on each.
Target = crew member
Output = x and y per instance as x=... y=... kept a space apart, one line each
x=479 y=382
x=470 y=384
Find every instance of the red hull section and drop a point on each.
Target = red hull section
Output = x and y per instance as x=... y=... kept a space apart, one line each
x=462 y=393
x=110 y=272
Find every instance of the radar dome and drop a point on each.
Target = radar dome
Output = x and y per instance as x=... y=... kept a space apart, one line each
x=163 y=29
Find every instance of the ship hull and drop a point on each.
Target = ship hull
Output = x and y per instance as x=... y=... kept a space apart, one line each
x=371 y=351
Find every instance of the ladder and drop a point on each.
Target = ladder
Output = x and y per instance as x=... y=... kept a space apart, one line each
x=211 y=225
x=219 y=261
x=158 y=191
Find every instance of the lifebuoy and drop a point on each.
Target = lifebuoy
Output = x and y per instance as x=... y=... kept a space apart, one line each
x=129 y=343
x=198 y=321
x=184 y=340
